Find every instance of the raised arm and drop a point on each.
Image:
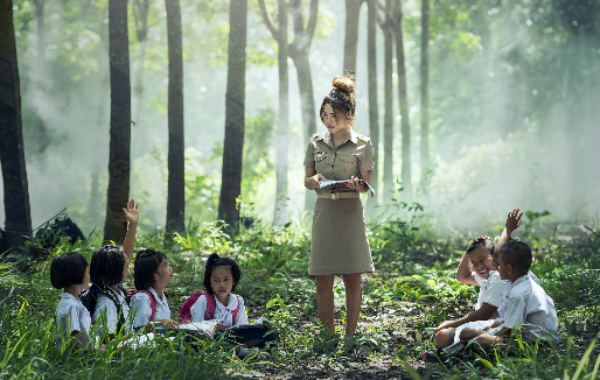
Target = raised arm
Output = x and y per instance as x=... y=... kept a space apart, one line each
x=513 y=221
x=133 y=216
x=464 y=273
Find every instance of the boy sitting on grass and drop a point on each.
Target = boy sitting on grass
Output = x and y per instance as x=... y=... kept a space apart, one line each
x=529 y=309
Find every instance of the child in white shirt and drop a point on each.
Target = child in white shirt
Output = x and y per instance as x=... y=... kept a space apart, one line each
x=71 y=272
x=151 y=274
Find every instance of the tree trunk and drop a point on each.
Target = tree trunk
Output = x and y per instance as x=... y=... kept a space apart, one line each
x=373 y=103
x=281 y=141
x=233 y=146
x=351 y=35
x=115 y=226
x=299 y=51
x=388 y=119
x=12 y=155
x=403 y=97
x=140 y=12
x=176 y=182
x=424 y=88
x=40 y=75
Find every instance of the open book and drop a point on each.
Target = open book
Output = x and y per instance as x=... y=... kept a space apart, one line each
x=328 y=182
x=139 y=340
x=208 y=328
x=459 y=345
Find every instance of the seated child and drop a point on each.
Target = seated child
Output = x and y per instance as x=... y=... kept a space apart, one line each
x=529 y=308
x=478 y=254
x=71 y=273
x=108 y=270
x=151 y=274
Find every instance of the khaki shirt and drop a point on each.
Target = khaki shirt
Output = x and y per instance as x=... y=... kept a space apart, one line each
x=350 y=158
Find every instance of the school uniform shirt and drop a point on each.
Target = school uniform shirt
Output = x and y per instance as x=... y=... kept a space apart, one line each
x=71 y=316
x=198 y=310
x=532 y=309
x=490 y=292
x=507 y=286
x=142 y=308
x=105 y=308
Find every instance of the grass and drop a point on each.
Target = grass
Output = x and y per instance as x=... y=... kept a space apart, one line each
x=413 y=288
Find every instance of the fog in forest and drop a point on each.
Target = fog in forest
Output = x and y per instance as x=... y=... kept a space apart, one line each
x=514 y=111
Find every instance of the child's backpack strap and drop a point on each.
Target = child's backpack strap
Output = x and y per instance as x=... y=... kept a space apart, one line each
x=185 y=316
x=153 y=306
x=235 y=312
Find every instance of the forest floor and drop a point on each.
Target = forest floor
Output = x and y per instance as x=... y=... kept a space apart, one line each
x=413 y=288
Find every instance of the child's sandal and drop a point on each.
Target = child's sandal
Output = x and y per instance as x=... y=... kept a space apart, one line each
x=433 y=357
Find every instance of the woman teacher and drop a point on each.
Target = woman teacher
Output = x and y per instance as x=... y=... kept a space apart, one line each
x=339 y=239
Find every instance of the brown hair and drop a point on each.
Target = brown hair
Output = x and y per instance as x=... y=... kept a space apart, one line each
x=341 y=99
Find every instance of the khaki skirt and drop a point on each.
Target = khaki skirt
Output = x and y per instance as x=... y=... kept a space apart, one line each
x=339 y=238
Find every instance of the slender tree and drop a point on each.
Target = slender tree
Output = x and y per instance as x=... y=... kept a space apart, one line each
x=140 y=16
x=403 y=99
x=281 y=140
x=424 y=86
x=299 y=51
x=115 y=226
x=387 y=27
x=373 y=103
x=12 y=155
x=176 y=185
x=39 y=76
x=351 y=35
x=234 y=113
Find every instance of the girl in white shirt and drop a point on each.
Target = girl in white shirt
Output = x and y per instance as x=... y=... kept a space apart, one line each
x=71 y=273
x=151 y=274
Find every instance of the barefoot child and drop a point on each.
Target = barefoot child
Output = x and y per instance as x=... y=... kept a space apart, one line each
x=479 y=256
x=71 y=272
x=529 y=309
x=151 y=274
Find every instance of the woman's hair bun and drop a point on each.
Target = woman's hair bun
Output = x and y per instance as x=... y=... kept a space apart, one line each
x=344 y=84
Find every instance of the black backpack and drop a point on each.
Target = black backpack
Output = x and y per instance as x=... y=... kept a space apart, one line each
x=89 y=299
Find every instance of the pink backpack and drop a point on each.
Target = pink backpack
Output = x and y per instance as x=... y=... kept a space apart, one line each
x=211 y=305
x=131 y=293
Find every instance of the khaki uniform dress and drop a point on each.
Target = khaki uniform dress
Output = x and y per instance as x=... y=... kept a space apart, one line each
x=339 y=237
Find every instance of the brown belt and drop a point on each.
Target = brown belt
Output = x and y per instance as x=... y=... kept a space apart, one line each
x=339 y=195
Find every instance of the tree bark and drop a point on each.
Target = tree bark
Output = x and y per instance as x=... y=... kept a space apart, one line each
x=115 y=226
x=233 y=146
x=176 y=181
x=299 y=51
x=140 y=13
x=351 y=35
x=12 y=155
x=388 y=119
x=281 y=140
x=42 y=138
x=403 y=98
x=424 y=88
x=373 y=103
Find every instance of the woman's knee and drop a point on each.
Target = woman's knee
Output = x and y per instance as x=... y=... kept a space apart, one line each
x=352 y=281
x=324 y=283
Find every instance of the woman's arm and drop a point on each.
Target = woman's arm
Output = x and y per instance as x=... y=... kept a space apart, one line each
x=355 y=183
x=311 y=180
x=463 y=273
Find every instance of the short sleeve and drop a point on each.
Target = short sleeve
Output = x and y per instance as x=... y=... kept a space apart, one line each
x=493 y=293
x=241 y=318
x=141 y=309
x=107 y=313
x=478 y=278
x=366 y=162
x=198 y=309
x=309 y=160
x=515 y=312
x=69 y=320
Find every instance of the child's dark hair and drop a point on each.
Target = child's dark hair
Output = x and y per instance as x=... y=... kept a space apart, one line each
x=214 y=261
x=145 y=265
x=517 y=254
x=107 y=266
x=481 y=241
x=68 y=269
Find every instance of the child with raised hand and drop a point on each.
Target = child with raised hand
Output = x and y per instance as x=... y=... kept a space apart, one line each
x=216 y=301
x=109 y=270
x=71 y=273
x=479 y=256
x=151 y=274
x=529 y=308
